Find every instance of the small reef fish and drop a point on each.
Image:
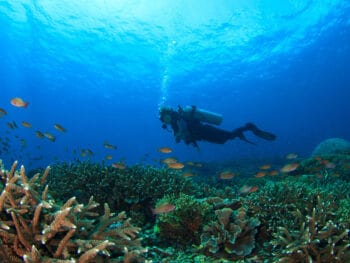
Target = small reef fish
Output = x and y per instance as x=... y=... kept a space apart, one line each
x=120 y=166
x=59 y=127
x=26 y=124
x=291 y=156
x=10 y=125
x=18 y=102
x=273 y=173
x=50 y=136
x=188 y=174
x=108 y=157
x=260 y=174
x=169 y=160
x=176 y=166
x=245 y=189
x=289 y=167
x=2 y=112
x=226 y=175
x=163 y=208
x=165 y=150
x=109 y=146
x=265 y=167
x=39 y=134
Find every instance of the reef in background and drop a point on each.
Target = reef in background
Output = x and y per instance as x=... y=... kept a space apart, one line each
x=300 y=215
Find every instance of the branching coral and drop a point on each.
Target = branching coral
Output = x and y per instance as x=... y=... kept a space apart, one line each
x=232 y=235
x=314 y=237
x=33 y=227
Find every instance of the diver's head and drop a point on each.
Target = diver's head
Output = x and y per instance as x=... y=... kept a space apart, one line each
x=165 y=115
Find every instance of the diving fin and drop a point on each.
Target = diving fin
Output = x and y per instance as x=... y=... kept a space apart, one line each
x=260 y=133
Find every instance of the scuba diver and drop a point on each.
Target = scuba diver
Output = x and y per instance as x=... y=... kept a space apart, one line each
x=187 y=125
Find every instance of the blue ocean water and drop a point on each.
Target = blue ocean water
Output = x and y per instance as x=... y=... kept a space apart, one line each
x=101 y=69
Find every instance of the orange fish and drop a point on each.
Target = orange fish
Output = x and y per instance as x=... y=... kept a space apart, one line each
x=165 y=150
x=265 y=167
x=163 y=208
x=273 y=173
x=59 y=127
x=291 y=156
x=18 y=102
x=176 y=166
x=226 y=175
x=188 y=174
x=260 y=174
x=26 y=124
x=289 y=167
x=253 y=189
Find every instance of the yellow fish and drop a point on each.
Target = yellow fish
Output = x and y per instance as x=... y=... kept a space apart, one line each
x=26 y=124
x=59 y=127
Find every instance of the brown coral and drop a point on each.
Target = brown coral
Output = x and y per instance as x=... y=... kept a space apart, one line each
x=232 y=235
x=315 y=238
x=35 y=228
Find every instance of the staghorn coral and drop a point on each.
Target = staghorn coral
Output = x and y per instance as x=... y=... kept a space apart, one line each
x=314 y=238
x=231 y=236
x=36 y=229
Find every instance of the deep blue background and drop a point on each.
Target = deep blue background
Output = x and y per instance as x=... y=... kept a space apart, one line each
x=101 y=68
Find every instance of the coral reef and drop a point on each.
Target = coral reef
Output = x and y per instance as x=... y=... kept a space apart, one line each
x=313 y=202
x=183 y=225
x=123 y=189
x=332 y=146
x=313 y=238
x=34 y=228
x=329 y=165
x=232 y=235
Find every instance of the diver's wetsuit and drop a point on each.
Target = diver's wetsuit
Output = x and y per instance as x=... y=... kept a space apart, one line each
x=192 y=130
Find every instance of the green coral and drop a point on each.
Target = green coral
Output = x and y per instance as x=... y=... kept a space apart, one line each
x=185 y=223
x=129 y=189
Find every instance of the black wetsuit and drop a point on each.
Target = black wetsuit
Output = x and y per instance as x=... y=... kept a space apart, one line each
x=194 y=131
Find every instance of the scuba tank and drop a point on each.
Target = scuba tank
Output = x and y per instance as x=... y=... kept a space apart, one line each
x=202 y=115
